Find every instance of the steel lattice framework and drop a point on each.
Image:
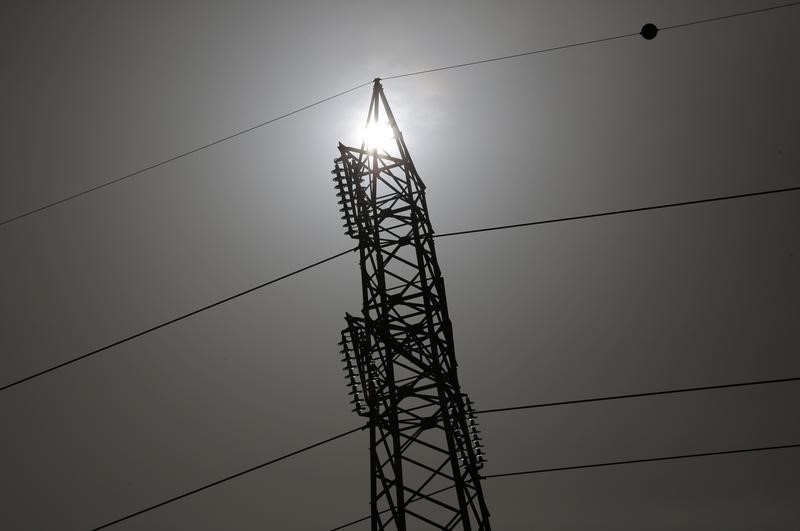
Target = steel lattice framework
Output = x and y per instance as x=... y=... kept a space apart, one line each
x=400 y=366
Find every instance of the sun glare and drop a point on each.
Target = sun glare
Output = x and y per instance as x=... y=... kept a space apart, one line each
x=378 y=136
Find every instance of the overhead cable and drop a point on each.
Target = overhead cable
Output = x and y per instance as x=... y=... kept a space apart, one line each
x=639 y=395
x=592 y=41
x=608 y=464
x=550 y=404
x=342 y=253
x=227 y=478
x=644 y=460
x=172 y=321
x=618 y=212
x=351 y=89
x=729 y=16
x=180 y=155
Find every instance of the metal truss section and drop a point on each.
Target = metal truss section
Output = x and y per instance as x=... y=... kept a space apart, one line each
x=400 y=366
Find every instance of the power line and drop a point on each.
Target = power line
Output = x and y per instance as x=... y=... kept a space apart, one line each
x=617 y=212
x=607 y=398
x=645 y=460
x=349 y=432
x=354 y=522
x=512 y=56
x=733 y=15
x=175 y=320
x=182 y=155
x=583 y=43
x=342 y=253
x=610 y=463
x=228 y=478
x=639 y=395
x=396 y=76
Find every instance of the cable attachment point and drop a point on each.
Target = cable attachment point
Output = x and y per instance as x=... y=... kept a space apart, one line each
x=649 y=31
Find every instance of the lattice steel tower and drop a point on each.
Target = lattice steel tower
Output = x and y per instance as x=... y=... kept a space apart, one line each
x=400 y=366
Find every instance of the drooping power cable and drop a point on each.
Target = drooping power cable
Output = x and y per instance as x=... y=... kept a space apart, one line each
x=593 y=41
x=640 y=395
x=396 y=76
x=227 y=478
x=607 y=464
x=171 y=321
x=550 y=404
x=617 y=212
x=645 y=460
x=180 y=155
x=342 y=253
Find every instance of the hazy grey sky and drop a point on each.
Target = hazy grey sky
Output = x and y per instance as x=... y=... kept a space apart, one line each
x=692 y=296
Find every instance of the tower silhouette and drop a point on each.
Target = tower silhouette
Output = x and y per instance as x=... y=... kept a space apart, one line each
x=400 y=366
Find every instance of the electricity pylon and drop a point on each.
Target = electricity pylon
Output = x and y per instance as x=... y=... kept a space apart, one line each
x=400 y=366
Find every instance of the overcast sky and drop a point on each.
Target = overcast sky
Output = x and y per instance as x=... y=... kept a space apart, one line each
x=697 y=295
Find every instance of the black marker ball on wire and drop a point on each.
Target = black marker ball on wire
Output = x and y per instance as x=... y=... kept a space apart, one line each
x=649 y=31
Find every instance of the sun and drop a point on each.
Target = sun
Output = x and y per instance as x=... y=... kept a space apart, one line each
x=378 y=135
